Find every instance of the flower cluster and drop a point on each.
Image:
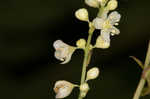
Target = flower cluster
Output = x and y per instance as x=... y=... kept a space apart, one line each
x=105 y=22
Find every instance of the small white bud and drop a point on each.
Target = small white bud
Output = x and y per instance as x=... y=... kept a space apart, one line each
x=92 y=73
x=112 y=4
x=92 y=3
x=84 y=87
x=82 y=14
x=81 y=43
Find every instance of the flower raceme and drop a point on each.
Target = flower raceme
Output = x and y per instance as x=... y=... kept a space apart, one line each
x=105 y=22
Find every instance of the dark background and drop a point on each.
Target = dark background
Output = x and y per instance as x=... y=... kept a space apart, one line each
x=28 y=69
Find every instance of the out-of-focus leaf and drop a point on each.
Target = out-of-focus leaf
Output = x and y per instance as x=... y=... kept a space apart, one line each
x=145 y=91
x=147 y=75
x=138 y=61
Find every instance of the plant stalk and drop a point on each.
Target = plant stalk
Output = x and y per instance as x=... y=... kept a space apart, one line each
x=86 y=58
x=142 y=81
x=87 y=54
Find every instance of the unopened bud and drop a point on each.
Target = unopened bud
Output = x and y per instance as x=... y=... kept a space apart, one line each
x=92 y=3
x=82 y=14
x=102 y=2
x=81 y=43
x=92 y=73
x=112 y=4
x=83 y=94
x=84 y=87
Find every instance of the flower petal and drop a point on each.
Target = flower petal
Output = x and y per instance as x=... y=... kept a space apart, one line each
x=63 y=88
x=114 y=31
x=63 y=51
x=59 y=44
x=98 y=23
x=114 y=17
x=105 y=35
x=103 y=41
x=62 y=93
x=69 y=55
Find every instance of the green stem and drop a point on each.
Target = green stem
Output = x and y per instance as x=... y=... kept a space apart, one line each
x=87 y=51
x=101 y=10
x=142 y=81
x=86 y=56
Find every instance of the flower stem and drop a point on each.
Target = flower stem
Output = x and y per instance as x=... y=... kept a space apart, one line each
x=87 y=54
x=142 y=81
x=86 y=57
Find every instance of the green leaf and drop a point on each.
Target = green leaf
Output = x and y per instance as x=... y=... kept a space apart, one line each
x=138 y=61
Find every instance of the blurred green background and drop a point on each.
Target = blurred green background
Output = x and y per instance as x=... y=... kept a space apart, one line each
x=28 y=69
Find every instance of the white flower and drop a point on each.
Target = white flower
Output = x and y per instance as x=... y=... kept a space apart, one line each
x=107 y=24
x=63 y=51
x=63 y=88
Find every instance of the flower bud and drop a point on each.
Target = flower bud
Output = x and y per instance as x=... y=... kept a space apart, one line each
x=92 y=73
x=81 y=43
x=84 y=87
x=82 y=14
x=83 y=94
x=112 y=4
x=92 y=3
x=63 y=88
x=102 y=2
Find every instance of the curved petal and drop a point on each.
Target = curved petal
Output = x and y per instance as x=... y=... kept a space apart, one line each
x=114 y=31
x=103 y=41
x=59 y=44
x=98 y=23
x=63 y=51
x=63 y=88
x=69 y=55
x=62 y=93
x=105 y=35
x=114 y=17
